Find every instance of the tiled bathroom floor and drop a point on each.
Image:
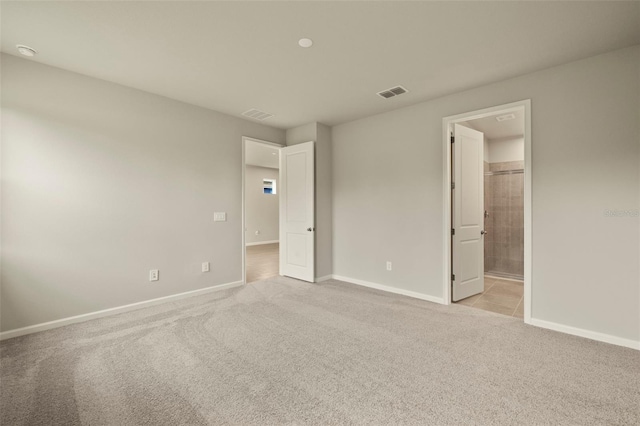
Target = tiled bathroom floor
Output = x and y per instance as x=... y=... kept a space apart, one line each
x=500 y=296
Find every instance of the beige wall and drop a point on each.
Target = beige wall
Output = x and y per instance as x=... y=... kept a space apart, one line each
x=101 y=183
x=387 y=192
x=261 y=210
x=321 y=134
x=505 y=150
x=305 y=133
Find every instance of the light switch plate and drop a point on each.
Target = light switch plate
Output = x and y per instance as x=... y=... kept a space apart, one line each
x=219 y=217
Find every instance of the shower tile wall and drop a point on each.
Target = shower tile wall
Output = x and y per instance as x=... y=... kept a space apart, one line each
x=504 y=201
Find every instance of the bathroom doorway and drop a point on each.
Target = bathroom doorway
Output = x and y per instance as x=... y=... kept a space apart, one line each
x=490 y=212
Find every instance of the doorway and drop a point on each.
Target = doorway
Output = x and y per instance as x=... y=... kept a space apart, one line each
x=261 y=209
x=488 y=209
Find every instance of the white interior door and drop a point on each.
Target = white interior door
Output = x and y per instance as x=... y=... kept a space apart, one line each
x=297 y=204
x=468 y=213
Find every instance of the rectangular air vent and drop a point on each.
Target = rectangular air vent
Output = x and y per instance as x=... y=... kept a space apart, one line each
x=394 y=91
x=257 y=114
x=505 y=117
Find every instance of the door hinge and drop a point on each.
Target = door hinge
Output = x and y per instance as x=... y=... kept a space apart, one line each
x=453 y=231
x=453 y=185
x=453 y=139
x=453 y=277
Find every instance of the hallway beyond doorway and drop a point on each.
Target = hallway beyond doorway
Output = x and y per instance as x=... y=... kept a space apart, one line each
x=262 y=261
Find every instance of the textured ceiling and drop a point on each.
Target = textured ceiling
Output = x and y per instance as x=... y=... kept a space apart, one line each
x=233 y=56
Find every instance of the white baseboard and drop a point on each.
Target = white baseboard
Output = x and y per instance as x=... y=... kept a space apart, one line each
x=259 y=243
x=593 y=335
x=390 y=289
x=580 y=332
x=112 y=311
x=495 y=277
x=325 y=278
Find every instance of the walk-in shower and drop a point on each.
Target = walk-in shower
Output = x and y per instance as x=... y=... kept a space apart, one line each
x=504 y=219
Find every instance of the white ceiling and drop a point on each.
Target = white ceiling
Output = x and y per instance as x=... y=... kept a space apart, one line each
x=257 y=154
x=494 y=129
x=233 y=56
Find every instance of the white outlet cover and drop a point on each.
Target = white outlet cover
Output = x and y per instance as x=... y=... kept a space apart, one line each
x=205 y=267
x=154 y=275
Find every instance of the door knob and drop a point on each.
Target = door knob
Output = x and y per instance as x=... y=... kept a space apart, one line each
x=311 y=229
x=483 y=232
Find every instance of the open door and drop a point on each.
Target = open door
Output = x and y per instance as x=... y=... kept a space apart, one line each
x=468 y=213
x=297 y=204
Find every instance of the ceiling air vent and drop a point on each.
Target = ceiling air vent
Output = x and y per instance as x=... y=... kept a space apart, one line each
x=394 y=91
x=257 y=114
x=505 y=117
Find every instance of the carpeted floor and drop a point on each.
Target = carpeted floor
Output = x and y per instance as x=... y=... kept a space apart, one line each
x=282 y=351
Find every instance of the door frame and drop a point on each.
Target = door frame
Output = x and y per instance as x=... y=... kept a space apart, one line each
x=447 y=123
x=246 y=139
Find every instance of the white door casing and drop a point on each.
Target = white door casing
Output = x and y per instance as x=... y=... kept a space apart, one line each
x=468 y=213
x=297 y=208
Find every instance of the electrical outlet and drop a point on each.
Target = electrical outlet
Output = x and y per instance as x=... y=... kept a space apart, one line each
x=205 y=267
x=388 y=265
x=258 y=232
x=154 y=275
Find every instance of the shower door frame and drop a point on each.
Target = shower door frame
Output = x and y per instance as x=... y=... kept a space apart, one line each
x=447 y=126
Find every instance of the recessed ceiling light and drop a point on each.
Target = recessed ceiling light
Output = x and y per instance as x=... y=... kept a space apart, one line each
x=26 y=50
x=305 y=42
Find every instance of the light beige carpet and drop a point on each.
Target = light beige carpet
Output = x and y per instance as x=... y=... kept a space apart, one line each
x=286 y=352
